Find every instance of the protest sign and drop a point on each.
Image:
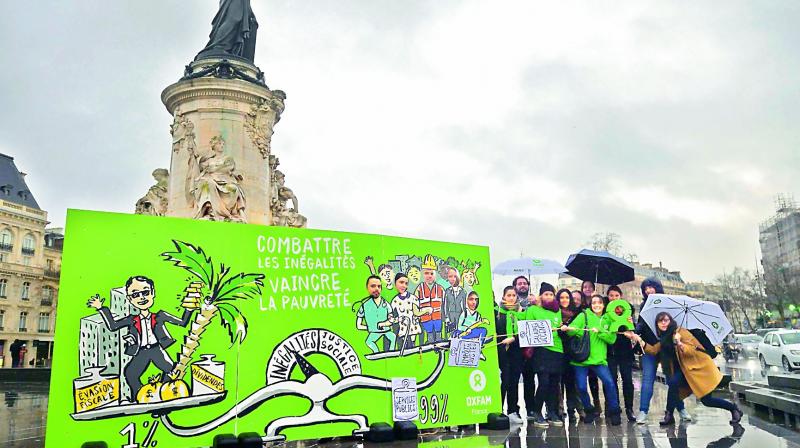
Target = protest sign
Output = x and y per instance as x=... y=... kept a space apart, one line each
x=171 y=331
x=464 y=352
x=535 y=333
x=404 y=399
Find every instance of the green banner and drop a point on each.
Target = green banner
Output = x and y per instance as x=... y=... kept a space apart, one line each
x=171 y=331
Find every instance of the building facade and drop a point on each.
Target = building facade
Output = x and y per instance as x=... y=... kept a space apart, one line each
x=779 y=237
x=30 y=266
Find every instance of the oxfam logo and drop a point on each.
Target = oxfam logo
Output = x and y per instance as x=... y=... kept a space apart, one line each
x=715 y=325
x=656 y=302
x=537 y=262
x=477 y=380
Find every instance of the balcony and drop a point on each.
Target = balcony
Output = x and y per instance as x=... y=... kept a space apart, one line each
x=8 y=247
x=47 y=302
x=23 y=330
x=44 y=330
x=50 y=273
x=28 y=251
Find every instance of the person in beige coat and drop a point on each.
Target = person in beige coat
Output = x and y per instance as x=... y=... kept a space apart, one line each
x=687 y=361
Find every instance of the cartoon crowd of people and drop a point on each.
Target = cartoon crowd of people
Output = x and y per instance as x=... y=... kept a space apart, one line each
x=443 y=304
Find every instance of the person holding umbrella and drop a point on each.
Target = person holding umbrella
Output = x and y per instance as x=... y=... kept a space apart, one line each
x=650 y=285
x=687 y=361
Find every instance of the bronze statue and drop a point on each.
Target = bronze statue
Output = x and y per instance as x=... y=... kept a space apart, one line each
x=233 y=32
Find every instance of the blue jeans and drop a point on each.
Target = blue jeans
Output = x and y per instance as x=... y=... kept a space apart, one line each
x=604 y=375
x=673 y=395
x=649 y=365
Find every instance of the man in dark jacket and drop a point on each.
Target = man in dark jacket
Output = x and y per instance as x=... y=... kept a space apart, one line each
x=147 y=336
x=650 y=285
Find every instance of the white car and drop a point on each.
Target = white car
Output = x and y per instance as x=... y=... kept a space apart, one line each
x=780 y=348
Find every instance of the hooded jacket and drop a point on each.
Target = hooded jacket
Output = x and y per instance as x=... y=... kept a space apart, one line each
x=642 y=329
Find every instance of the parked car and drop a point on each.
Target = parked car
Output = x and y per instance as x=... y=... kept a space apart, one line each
x=761 y=332
x=780 y=348
x=749 y=344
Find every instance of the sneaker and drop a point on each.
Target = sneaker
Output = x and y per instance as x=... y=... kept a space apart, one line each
x=685 y=416
x=556 y=420
x=669 y=419
x=532 y=415
x=540 y=422
x=515 y=419
x=631 y=415
x=615 y=419
x=736 y=416
x=641 y=419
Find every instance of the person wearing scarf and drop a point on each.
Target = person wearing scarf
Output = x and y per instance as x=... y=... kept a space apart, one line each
x=687 y=361
x=600 y=336
x=547 y=361
x=569 y=309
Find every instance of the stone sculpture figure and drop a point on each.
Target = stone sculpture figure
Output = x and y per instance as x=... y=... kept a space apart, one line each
x=260 y=121
x=182 y=131
x=280 y=194
x=156 y=200
x=233 y=32
x=213 y=185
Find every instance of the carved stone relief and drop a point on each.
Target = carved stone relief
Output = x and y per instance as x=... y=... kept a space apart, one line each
x=280 y=194
x=182 y=131
x=213 y=185
x=156 y=200
x=260 y=120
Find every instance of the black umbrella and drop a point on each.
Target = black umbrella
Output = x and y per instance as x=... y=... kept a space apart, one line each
x=599 y=266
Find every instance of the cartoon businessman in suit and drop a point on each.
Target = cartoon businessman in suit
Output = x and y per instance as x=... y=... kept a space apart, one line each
x=147 y=336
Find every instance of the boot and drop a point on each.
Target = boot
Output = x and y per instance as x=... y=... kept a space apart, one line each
x=630 y=414
x=591 y=414
x=614 y=417
x=736 y=416
x=669 y=419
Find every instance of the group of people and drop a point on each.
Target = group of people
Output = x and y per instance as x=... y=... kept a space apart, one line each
x=429 y=314
x=561 y=383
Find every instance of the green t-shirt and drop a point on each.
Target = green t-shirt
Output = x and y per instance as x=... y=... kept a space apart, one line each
x=535 y=312
x=598 y=342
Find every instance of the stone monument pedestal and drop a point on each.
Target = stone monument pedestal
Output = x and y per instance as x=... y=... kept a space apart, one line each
x=222 y=98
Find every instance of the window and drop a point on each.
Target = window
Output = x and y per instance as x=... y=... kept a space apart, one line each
x=23 y=321
x=26 y=290
x=768 y=339
x=47 y=296
x=3 y=286
x=3 y=257
x=44 y=322
x=49 y=264
x=28 y=245
x=2 y=318
x=6 y=240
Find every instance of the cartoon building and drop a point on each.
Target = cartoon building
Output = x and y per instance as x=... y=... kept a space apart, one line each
x=101 y=347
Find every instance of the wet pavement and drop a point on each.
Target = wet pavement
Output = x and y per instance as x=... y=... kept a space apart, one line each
x=23 y=417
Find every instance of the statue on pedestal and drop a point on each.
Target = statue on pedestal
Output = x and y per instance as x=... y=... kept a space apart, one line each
x=233 y=32
x=213 y=185
x=156 y=200
x=280 y=194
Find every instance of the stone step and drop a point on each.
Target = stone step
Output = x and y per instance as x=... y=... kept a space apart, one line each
x=738 y=388
x=774 y=400
x=784 y=381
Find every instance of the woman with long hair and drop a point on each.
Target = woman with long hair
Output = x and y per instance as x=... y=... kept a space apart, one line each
x=687 y=361
x=509 y=353
x=568 y=312
x=600 y=337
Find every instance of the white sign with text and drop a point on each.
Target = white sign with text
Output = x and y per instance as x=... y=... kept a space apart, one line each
x=404 y=399
x=535 y=333
x=464 y=353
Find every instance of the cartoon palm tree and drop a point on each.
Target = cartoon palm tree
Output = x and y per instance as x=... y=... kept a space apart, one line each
x=214 y=294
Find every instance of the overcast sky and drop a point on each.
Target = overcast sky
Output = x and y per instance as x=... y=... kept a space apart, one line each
x=525 y=126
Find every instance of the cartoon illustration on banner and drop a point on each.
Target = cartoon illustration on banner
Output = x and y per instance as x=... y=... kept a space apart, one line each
x=129 y=364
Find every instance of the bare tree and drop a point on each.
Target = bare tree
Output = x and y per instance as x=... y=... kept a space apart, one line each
x=782 y=285
x=739 y=291
x=612 y=243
